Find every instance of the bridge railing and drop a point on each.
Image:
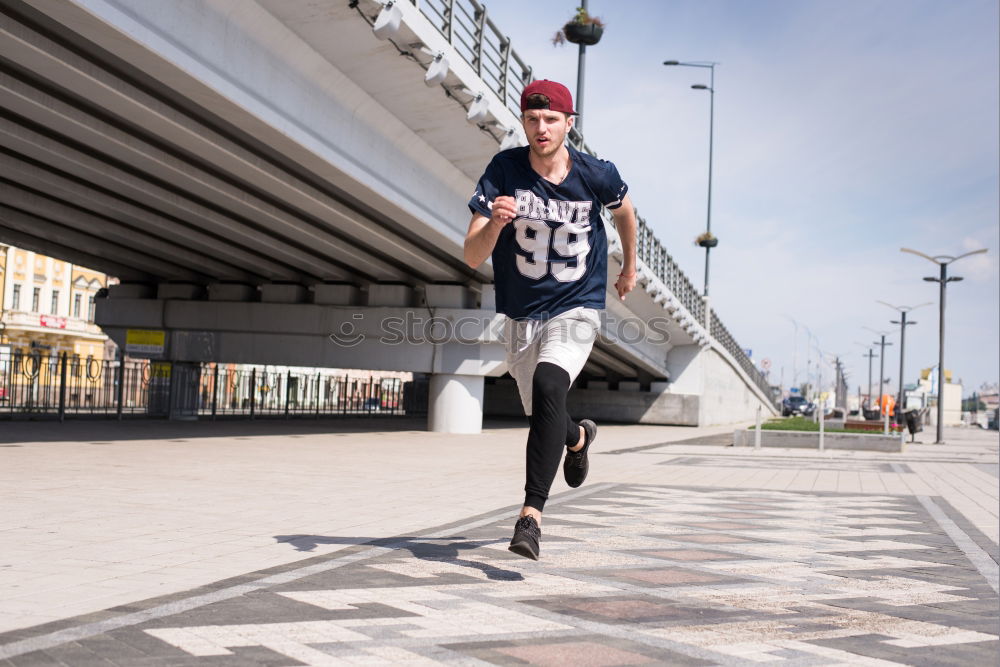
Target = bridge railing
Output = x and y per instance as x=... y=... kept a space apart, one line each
x=466 y=26
x=655 y=256
x=724 y=338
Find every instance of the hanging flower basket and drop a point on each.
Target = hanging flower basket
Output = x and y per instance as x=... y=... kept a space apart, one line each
x=581 y=29
x=707 y=240
x=587 y=34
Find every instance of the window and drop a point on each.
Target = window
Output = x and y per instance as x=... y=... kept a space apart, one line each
x=76 y=306
x=15 y=301
x=90 y=309
x=36 y=294
x=54 y=309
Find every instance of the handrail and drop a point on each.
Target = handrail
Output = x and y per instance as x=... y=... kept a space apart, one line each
x=455 y=19
x=722 y=335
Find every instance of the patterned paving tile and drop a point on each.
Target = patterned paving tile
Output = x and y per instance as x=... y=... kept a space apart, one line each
x=691 y=555
x=721 y=525
x=712 y=538
x=788 y=464
x=575 y=653
x=784 y=577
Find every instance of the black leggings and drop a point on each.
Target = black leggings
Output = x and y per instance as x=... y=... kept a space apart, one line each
x=551 y=430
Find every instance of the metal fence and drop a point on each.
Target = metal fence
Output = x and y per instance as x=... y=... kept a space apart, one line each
x=721 y=334
x=473 y=35
x=61 y=386
x=257 y=392
x=655 y=256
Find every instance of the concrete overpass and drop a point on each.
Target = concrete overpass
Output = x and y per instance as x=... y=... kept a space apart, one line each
x=284 y=182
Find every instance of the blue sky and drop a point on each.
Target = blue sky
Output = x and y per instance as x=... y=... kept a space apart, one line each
x=843 y=130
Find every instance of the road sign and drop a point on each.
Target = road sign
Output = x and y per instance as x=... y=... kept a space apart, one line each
x=144 y=341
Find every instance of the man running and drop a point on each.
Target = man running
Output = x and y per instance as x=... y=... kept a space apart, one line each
x=537 y=212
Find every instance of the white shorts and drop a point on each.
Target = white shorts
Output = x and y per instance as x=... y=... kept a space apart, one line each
x=564 y=340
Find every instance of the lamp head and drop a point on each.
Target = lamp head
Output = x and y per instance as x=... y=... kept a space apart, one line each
x=700 y=86
x=955 y=278
x=931 y=280
x=671 y=62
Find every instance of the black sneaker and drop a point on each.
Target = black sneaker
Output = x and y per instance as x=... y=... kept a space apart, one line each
x=576 y=466
x=526 y=536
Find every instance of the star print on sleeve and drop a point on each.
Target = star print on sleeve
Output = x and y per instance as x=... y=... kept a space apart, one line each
x=482 y=199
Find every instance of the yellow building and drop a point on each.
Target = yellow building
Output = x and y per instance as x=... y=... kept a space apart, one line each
x=47 y=306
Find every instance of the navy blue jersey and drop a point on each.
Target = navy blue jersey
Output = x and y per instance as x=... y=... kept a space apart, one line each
x=554 y=255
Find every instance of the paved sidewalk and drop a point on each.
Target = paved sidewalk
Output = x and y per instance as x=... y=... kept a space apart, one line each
x=280 y=543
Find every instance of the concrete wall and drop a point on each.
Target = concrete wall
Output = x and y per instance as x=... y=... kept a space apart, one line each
x=726 y=396
x=630 y=407
x=810 y=440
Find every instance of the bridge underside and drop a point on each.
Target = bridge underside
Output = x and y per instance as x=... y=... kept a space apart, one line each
x=129 y=166
x=232 y=156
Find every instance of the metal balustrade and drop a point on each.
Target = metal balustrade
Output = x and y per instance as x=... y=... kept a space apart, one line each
x=722 y=335
x=61 y=386
x=466 y=26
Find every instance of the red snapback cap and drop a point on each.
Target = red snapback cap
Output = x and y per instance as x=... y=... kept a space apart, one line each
x=559 y=96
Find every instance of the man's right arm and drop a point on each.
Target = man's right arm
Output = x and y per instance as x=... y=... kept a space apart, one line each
x=484 y=232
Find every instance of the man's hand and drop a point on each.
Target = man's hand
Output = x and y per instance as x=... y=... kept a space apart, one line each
x=625 y=223
x=504 y=210
x=483 y=232
x=625 y=284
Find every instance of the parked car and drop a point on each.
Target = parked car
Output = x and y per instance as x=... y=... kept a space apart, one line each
x=797 y=405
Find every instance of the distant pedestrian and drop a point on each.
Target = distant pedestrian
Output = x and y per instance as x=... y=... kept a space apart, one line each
x=537 y=212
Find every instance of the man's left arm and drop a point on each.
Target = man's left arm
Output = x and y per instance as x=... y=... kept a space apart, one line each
x=625 y=223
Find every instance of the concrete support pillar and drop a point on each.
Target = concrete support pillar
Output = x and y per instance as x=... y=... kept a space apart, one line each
x=455 y=403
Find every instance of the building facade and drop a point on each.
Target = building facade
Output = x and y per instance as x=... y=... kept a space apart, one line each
x=927 y=392
x=47 y=306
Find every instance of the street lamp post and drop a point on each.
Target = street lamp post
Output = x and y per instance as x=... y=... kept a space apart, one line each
x=811 y=338
x=942 y=261
x=707 y=241
x=581 y=63
x=795 y=351
x=869 y=354
x=903 y=311
x=881 y=361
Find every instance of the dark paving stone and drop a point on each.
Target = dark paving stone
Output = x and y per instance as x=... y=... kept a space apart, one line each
x=596 y=650
x=989 y=468
x=966 y=526
x=708 y=538
x=691 y=555
x=867 y=646
x=643 y=609
x=259 y=655
x=268 y=607
x=953 y=556
x=959 y=655
x=35 y=659
x=108 y=647
x=663 y=577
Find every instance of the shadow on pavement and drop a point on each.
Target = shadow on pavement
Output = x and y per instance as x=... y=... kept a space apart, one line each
x=444 y=550
x=101 y=431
